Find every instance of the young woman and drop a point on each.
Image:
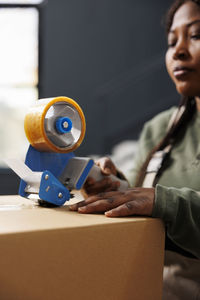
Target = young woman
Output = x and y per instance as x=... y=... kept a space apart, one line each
x=166 y=174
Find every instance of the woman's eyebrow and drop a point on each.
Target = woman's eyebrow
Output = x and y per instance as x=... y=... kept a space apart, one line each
x=187 y=25
x=193 y=22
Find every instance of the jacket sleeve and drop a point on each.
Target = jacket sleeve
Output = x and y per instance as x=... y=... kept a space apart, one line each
x=179 y=208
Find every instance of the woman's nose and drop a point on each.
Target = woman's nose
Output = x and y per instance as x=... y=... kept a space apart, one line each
x=181 y=50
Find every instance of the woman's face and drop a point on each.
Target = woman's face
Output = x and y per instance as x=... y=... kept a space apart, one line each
x=183 y=54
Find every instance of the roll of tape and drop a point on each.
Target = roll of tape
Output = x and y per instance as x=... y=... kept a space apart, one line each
x=40 y=125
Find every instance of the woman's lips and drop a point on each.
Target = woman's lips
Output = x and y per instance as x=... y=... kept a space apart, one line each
x=182 y=72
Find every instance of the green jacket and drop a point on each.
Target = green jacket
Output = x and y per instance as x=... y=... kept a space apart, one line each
x=177 y=193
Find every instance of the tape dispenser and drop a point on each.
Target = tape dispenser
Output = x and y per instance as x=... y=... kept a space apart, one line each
x=55 y=127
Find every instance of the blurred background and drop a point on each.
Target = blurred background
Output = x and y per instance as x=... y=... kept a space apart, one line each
x=108 y=55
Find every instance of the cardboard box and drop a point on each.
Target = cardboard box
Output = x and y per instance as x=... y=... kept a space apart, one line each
x=56 y=254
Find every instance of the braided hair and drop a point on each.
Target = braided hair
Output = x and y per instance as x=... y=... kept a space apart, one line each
x=187 y=104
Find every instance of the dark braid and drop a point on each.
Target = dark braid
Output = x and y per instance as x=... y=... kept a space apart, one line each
x=171 y=136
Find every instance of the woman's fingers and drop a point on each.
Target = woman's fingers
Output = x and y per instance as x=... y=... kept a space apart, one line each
x=130 y=208
x=123 y=210
x=138 y=201
x=106 y=184
x=141 y=204
x=99 y=203
x=93 y=187
x=90 y=181
x=107 y=166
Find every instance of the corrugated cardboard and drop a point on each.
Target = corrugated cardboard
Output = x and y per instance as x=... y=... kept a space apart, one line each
x=56 y=254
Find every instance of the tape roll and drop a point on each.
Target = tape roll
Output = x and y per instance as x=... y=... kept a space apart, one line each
x=41 y=129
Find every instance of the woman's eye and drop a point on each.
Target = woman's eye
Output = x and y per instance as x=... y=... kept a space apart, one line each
x=171 y=44
x=171 y=41
x=195 y=36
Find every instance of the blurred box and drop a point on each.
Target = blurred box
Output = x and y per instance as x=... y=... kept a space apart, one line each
x=56 y=254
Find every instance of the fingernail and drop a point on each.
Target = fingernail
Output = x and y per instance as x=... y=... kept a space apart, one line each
x=108 y=213
x=82 y=209
x=72 y=207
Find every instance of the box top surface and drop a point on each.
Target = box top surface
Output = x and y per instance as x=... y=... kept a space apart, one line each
x=18 y=214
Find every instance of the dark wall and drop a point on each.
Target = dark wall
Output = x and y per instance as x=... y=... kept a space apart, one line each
x=107 y=55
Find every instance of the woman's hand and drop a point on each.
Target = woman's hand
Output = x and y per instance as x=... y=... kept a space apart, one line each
x=93 y=187
x=106 y=165
x=134 y=201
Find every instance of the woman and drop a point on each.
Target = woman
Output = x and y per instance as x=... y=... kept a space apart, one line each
x=165 y=180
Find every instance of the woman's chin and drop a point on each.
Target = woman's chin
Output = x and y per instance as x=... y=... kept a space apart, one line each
x=187 y=91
